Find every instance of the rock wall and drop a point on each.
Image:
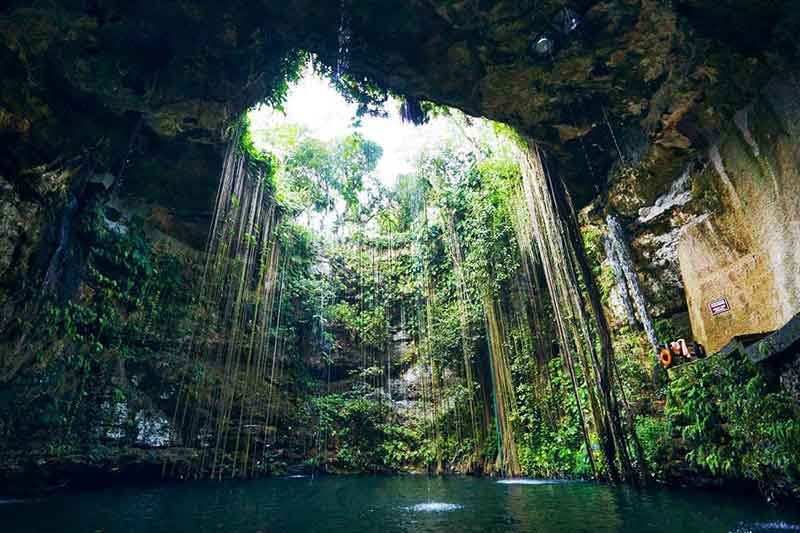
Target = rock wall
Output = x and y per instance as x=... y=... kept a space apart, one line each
x=747 y=250
x=145 y=91
x=721 y=229
x=27 y=219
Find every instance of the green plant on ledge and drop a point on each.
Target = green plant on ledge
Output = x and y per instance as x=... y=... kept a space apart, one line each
x=735 y=426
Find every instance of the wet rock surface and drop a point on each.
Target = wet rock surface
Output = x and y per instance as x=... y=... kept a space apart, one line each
x=148 y=90
x=187 y=68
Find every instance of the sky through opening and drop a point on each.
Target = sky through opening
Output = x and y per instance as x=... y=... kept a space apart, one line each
x=312 y=103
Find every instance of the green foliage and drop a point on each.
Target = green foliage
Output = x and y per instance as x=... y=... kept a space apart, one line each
x=735 y=426
x=550 y=447
x=656 y=439
x=400 y=447
x=594 y=247
x=636 y=364
x=604 y=277
x=129 y=307
x=362 y=435
x=322 y=173
x=665 y=331
x=286 y=67
x=369 y=95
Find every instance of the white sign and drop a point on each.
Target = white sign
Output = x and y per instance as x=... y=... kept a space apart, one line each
x=719 y=307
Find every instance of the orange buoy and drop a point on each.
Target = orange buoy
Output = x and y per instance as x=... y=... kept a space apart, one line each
x=665 y=356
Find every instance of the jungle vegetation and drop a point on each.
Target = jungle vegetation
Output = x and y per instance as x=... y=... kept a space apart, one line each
x=413 y=327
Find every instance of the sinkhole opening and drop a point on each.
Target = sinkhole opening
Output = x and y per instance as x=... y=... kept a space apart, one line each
x=377 y=283
x=339 y=170
x=385 y=283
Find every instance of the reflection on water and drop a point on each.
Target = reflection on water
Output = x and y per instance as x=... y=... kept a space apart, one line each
x=433 y=507
x=393 y=504
x=523 y=481
x=765 y=527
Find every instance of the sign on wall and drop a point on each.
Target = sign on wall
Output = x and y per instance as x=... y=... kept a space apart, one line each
x=719 y=306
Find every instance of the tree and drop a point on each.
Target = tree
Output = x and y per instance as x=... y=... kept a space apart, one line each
x=327 y=175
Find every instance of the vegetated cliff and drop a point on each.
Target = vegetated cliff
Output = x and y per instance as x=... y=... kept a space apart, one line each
x=717 y=230
x=644 y=105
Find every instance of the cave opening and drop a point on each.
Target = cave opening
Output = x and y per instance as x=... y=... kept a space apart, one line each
x=400 y=231
x=550 y=242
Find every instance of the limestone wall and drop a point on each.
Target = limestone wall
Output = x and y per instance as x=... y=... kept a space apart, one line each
x=748 y=249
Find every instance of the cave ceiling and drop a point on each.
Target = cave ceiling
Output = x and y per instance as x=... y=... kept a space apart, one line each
x=150 y=88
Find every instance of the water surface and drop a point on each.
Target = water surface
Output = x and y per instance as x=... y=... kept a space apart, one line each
x=392 y=504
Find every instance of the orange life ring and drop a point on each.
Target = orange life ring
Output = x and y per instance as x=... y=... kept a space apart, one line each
x=665 y=356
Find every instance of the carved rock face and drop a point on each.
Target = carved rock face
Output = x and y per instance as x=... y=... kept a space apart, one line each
x=150 y=87
x=189 y=67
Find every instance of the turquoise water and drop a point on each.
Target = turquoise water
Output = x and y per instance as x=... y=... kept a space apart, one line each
x=392 y=504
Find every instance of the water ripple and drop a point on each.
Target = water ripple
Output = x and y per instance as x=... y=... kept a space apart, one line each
x=523 y=481
x=764 y=527
x=434 y=507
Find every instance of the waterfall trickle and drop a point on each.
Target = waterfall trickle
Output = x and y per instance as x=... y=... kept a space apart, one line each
x=59 y=256
x=235 y=340
x=544 y=242
x=505 y=402
x=551 y=238
x=621 y=259
x=619 y=279
x=344 y=35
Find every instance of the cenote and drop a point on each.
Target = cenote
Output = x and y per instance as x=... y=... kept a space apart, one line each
x=394 y=504
x=392 y=265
